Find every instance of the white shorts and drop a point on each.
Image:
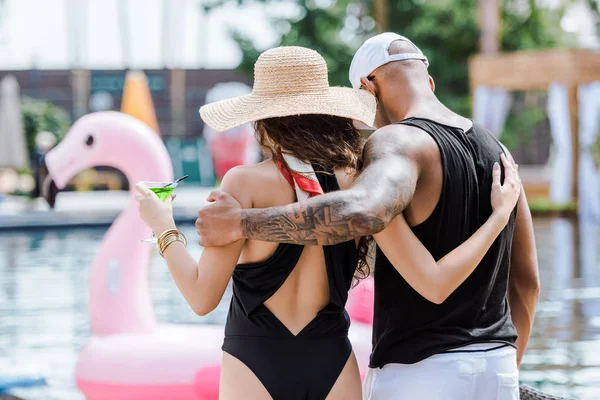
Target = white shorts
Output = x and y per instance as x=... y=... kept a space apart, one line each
x=490 y=375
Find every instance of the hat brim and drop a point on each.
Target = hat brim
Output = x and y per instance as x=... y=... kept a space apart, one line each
x=338 y=101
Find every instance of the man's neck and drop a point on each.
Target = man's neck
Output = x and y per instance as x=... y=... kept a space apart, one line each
x=431 y=109
x=424 y=105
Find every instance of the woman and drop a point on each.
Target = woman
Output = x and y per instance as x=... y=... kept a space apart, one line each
x=286 y=332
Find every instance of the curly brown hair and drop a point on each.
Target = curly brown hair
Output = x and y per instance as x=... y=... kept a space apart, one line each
x=324 y=140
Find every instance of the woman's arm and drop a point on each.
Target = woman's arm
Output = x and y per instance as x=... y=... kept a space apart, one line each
x=202 y=283
x=437 y=280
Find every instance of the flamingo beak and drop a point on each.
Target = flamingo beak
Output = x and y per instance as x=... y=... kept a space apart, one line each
x=49 y=188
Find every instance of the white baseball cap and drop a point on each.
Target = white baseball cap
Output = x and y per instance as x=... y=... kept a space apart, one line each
x=375 y=52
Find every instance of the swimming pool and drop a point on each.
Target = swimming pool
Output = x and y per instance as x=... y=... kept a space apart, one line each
x=44 y=322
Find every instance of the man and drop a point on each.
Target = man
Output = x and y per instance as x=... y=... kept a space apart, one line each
x=435 y=167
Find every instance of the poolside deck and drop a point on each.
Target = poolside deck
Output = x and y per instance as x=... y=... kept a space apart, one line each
x=88 y=208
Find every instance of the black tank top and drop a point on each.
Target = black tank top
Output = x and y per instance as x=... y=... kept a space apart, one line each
x=407 y=327
x=254 y=283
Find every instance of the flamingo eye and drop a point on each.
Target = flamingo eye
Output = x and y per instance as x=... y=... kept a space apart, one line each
x=90 y=140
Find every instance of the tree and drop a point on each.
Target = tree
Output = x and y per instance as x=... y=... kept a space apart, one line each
x=446 y=31
x=594 y=6
x=40 y=115
x=318 y=28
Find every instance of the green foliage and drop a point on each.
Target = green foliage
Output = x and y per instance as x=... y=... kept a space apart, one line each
x=39 y=116
x=528 y=26
x=594 y=6
x=596 y=151
x=545 y=206
x=446 y=31
x=448 y=35
x=317 y=28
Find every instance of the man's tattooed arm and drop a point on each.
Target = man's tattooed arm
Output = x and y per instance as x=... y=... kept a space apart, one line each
x=383 y=190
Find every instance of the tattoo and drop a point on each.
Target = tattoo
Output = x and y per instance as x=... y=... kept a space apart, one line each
x=326 y=222
x=383 y=189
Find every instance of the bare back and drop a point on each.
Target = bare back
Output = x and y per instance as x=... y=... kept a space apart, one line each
x=305 y=291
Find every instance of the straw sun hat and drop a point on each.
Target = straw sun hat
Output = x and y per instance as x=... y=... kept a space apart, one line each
x=290 y=81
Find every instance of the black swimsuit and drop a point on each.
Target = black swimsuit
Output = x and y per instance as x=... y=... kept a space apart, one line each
x=305 y=366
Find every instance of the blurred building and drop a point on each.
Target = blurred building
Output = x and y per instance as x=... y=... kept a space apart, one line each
x=177 y=93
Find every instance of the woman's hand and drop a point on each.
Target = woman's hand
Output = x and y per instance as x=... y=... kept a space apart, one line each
x=158 y=215
x=504 y=197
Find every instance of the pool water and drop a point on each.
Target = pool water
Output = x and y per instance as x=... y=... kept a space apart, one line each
x=44 y=322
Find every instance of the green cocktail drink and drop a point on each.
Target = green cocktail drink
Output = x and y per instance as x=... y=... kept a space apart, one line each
x=162 y=190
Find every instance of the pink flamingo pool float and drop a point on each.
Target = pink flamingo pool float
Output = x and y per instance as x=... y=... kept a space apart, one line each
x=130 y=356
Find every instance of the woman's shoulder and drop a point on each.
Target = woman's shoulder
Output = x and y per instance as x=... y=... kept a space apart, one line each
x=252 y=182
x=265 y=171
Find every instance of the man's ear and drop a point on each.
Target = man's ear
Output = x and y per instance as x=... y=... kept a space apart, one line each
x=432 y=84
x=369 y=85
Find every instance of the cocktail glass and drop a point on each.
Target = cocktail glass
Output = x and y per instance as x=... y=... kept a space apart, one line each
x=162 y=190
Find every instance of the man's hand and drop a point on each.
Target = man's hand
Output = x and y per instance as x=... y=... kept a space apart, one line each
x=219 y=223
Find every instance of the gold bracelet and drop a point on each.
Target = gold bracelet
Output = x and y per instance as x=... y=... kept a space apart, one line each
x=168 y=237
x=165 y=243
x=171 y=238
x=165 y=233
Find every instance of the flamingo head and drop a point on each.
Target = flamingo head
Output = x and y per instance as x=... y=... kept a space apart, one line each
x=110 y=139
